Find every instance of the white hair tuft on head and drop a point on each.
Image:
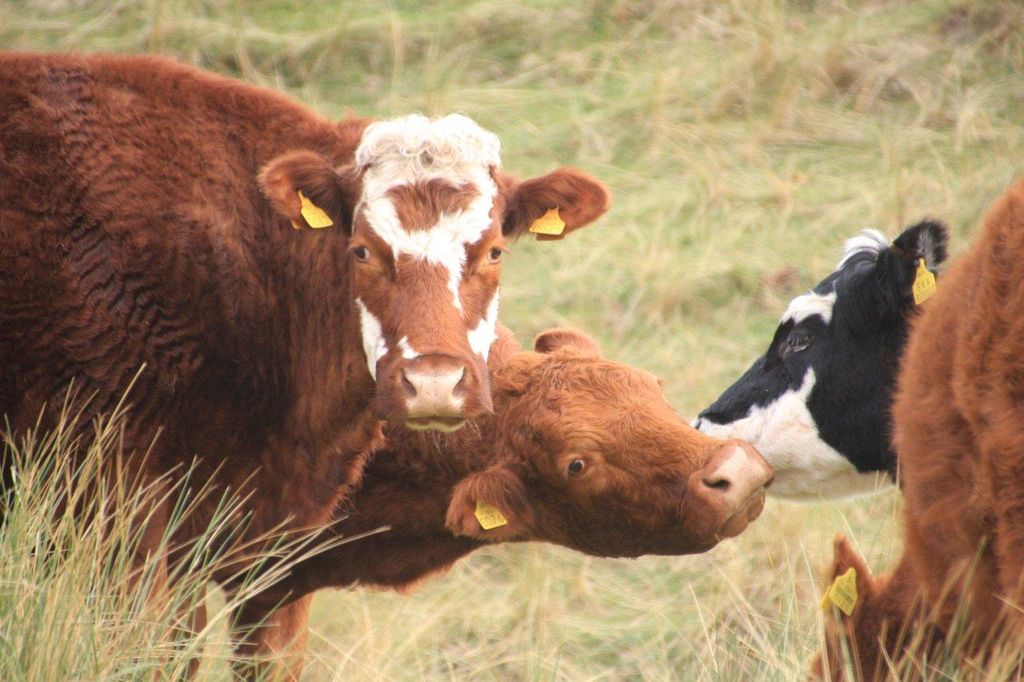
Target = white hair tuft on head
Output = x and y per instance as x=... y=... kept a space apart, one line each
x=415 y=146
x=868 y=241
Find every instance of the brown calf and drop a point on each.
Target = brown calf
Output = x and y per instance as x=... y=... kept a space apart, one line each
x=582 y=452
x=138 y=240
x=884 y=620
x=958 y=419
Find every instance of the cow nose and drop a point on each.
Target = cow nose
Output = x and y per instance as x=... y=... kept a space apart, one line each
x=434 y=393
x=735 y=473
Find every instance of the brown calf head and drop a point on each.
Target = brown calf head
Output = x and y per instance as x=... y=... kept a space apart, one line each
x=872 y=637
x=427 y=214
x=595 y=459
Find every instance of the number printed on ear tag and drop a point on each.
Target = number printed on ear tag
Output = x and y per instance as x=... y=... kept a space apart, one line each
x=842 y=593
x=924 y=283
x=314 y=216
x=549 y=223
x=489 y=516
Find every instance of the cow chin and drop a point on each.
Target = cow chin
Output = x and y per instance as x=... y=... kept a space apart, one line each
x=743 y=517
x=443 y=424
x=432 y=392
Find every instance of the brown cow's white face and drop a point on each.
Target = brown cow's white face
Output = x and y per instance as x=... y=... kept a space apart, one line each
x=426 y=256
x=426 y=212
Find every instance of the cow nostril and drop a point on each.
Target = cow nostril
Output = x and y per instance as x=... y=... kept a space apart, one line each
x=461 y=386
x=718 y=483
x=407 y=387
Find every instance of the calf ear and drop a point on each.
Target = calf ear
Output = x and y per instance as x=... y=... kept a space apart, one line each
x=578 y=198
x=495 y=498
x=553 y=339
x=332 y=194
x=845 y=557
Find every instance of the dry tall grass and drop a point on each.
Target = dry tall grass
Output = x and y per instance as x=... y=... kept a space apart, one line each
x=744 y=141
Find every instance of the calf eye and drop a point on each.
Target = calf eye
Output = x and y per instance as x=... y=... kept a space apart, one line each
x=796 y=342
x=494 y=255
x=575 y=466
x=361 y=253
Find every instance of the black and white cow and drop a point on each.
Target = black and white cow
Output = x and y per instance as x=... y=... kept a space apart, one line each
x=816 y=404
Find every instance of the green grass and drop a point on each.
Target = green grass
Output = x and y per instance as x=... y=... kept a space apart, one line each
x=744 y=141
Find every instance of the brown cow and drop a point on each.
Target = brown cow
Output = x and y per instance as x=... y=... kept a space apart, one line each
x=136 y=235
x=581 y=452
x=958 y=418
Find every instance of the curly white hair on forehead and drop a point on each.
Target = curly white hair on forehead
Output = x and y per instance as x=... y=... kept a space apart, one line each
x=415 y=146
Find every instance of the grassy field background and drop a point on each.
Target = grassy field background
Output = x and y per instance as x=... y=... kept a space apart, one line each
x=744 y=141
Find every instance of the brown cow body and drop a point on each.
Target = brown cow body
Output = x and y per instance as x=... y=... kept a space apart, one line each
x=647 y=483
x=125 y=190
x=137 y=240
x=959 y=433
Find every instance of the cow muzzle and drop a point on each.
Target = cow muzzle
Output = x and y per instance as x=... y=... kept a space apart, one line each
x=732 y=486
x=440 y=393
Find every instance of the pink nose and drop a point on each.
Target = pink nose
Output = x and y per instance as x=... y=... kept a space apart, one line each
x=735 y=473
x=434 y=393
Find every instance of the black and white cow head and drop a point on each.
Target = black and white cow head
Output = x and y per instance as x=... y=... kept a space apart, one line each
x=816 y=404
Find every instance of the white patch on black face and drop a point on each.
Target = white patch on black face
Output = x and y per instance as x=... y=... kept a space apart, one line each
x=802 y=307
x=806 y=467
x=868 y=241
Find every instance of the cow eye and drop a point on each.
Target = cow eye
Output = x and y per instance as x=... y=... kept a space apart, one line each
x=575 y=466
x=361 y=253
x=494 y=255
x=796 y=342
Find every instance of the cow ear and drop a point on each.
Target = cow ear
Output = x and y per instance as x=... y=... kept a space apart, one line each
x=576 y=196
x=922 y=243
x=845 y=557
x=490 y=505
x=289 y=178
x=553 y=339
x=927 y=239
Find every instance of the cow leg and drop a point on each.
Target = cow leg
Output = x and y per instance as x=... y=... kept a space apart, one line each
x=150 y=569
x=193 y=620
x=268 y=633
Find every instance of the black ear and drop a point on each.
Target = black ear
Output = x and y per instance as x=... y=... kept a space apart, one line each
x=878 y=276
x=927 y=239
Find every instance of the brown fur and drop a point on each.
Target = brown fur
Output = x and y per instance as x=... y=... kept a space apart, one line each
x=633 y=497
x=958 y=418
x=138 y=240
x=419 y=206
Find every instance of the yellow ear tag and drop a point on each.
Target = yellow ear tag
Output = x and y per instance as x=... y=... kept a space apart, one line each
x=315 y=216
x=842 y=593
x=549 y=223
x=489 y=516
x=924 y=283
